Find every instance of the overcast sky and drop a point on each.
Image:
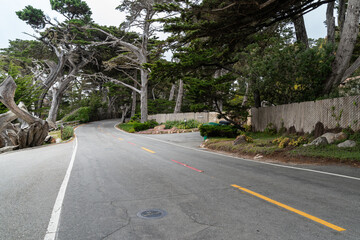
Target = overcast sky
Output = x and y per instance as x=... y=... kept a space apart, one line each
x=104 y=13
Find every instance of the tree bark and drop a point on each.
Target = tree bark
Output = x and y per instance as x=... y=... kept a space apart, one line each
x=330 y=22
x=144 y=96
x=341 y=14
x=179 y=97
x=36 y=130
x=133 y=97
x=55 y=70
x=346 y=46
x=172 y=92
x=257 y=99
x=300 y=30
x=351 y=70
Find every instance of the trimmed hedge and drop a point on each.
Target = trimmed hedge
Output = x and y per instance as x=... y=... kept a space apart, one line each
x=218 y=131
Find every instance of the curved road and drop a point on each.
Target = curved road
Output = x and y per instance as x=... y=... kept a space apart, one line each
x=114 y=176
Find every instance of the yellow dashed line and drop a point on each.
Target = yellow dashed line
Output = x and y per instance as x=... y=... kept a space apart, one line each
x=150 y=151
x=318 y=220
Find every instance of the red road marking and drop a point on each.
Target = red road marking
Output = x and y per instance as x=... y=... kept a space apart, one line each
x=185 y=165
x=132 y=143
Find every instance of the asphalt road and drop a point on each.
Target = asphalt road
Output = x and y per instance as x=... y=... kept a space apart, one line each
x=115 y=176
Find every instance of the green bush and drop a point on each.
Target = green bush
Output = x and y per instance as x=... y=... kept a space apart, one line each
x=270 y=129
x=137 y=126
x=67 y=133
x=128 y=127
x=218 y=131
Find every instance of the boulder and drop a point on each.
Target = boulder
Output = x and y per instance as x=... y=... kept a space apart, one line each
x=48 y=139
x=341 y=136
x=318 y=142
x=330 y=137
x=239 y=140
x=347 y=144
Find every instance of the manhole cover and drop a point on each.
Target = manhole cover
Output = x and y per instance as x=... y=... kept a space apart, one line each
x=152 y=214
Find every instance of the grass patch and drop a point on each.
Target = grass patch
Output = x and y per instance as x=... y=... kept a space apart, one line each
x=55 y=134
x=328 y=151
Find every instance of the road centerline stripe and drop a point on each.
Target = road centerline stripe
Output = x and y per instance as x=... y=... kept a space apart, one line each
x=148 y=150
x=53 y=226
x=185 y=165
x=318 y=220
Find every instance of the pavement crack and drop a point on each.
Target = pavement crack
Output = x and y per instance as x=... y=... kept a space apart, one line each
x=121 y=227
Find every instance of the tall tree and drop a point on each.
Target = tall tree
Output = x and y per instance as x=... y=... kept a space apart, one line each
x=140 y=14
x=341 y=68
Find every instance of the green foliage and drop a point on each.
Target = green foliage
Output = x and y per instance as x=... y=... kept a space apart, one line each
x=67 y=133
x=72 y=8
x=128 y=127
x=192 y=123
x=158 y=106
x=218 y=131
x=82 y=115
x=270 y=129
x=32 y=16
x=285 y=141
x=133 y=126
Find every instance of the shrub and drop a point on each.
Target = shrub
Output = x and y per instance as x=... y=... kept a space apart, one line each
x=192 y=123
x=67 y=133
x=218 y=131
x=137 y=126
x=299 y=141
x=270 y=129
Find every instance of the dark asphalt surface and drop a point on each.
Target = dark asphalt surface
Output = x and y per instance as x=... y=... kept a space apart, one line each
x=116 y=175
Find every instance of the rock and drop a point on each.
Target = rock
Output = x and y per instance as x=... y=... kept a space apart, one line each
x=319 y=129
x=340 y=136
x=239 y=140
x=330 y=137
x=258 y=156
x=160 y=127
x=58 y=140
x=48 y=139
x=319 y=141
x=347 y=144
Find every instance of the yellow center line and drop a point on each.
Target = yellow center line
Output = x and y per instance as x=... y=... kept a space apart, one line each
x=121 y=139
x=318 y=220
x=148 y=150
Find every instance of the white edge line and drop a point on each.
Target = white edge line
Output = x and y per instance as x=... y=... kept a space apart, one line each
x=247 y=160
x=52 y=230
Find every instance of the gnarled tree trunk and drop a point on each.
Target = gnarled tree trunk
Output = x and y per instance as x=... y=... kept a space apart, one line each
x=29 y=135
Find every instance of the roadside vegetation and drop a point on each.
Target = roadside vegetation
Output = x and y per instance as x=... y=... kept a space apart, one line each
x=286 y=147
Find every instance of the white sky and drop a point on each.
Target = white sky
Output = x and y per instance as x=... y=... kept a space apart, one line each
x=104 y=13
